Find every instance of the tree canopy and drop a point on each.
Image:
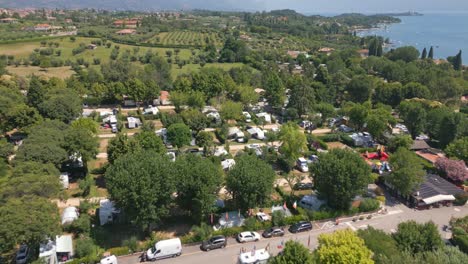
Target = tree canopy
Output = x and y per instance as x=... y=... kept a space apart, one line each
x=340 y=176
x=343 y=247
x=407 y=171
x=293 y=253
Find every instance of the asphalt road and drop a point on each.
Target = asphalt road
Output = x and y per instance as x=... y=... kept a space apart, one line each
x=397 y=213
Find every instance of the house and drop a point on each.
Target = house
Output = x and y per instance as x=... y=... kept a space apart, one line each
x=8 y=20
x=326 y=50
x=69 y=215
x=434 y=191
x=107 y=211
x=364 y=53
x=430 y=154
x=163 y=98
x=133 y=122
x=419 y=145
x=230 y=219
x=124 y=32
x=42 y=27
x=127 y=23
x=92 y=46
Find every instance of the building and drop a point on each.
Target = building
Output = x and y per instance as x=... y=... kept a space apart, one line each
x=364 y=53
x=127 y=23
x=124 y=32
x=92 y=46
x=434 y=192
x=326 y=50
x=419 y=145
x=42 y=27
x=163 y=98
x=8 y=20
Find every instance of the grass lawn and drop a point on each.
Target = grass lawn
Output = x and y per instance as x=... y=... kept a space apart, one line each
x=59 y=72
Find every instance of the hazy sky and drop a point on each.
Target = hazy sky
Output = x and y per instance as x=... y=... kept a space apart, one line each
x=303 y=6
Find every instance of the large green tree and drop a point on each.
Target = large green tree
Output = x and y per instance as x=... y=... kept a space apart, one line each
x=340 y=176
x=61 y=104
x=407 y=171
x=81 y=142
x=179 y=134
x=250 y=182
x=382 y=244
x=414 y=116
x=458 y=149
x=343 y=247
x=414 y=237
x=29 y=220
x=274 y=88
x=293 y=142
x=360 y=88
x=293 y=253
x=198 y=183
x=142 y=184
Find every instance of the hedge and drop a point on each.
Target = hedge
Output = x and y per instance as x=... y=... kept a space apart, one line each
x=119 y=251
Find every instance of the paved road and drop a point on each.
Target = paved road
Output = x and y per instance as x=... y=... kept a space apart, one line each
x=397 y=213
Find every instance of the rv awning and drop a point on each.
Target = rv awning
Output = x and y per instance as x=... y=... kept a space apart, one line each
x=439 y=198
x=64 y=244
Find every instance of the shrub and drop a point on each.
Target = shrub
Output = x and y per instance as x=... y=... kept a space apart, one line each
x=131 y=243
x=381 y=199
x=368 y=205
x=201 y=232
x=84 y=247
x=80 y=226
x=461 y=199
x=331 y=137
x=278 y=218
x=119 y=251
x=229 y=232
x=293 y=219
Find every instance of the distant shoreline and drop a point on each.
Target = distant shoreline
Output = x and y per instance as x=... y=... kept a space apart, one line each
x=409 y=13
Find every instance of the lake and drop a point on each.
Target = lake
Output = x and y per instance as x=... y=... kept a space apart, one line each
x=447 y=33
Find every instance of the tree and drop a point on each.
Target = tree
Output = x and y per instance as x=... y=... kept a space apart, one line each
x=199 y=181
x=293 y=253
x=204 y=139
x=340 y=176
x=148 y=140
x=457 y=62
x=406 y=54
x=302 y=97
x=81 y=142
x=380 y=243
x=431 y=53
x=179 y=134
x=250 y=182
x=415 y=237
x=246 y=95
x=407 y=171
x=458 y=149
x=179 y=99
x=274 y=88
x=424 y=54
x=87 y=124
x=399 y=141
x=27 y=220
x=358 y=114
x=378 y=121
x=415 y=90
x=40 y=185
x=322 y=75
x=61 y=104
x=455 y=170
x=343 y=247
x=360 y=88
x=414 y=116
x=195 y=119
x=231 y=110
x=141 y=184
x=117 y=147
x=293 y=142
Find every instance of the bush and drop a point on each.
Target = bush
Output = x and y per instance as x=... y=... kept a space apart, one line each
x=131 y=244
x=293 y=219
x=278 y=219
x=80 y=226
x=381 y=199
x=347 y=140
x=331 y=137
x=368 y=205
x=460 y=199
x=119 y=251
x=229 y=232
x=84 y=247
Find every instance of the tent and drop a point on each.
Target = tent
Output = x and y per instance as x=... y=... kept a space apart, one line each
x=69 y=215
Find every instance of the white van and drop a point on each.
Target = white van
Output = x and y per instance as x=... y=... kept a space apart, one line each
x=109 y=260
x=165 y=249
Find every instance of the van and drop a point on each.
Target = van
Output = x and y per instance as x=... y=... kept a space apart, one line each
x=109 y=260
x=164 y=249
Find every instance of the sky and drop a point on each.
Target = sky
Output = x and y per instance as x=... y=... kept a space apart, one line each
x=302 y=6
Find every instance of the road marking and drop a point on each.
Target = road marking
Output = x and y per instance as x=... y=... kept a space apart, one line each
x=351 y=226
x=364 y=226
x=395 y=212
x=456 y=209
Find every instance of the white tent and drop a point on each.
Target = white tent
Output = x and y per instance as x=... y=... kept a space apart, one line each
x=64 y=180
x=259 y=256
x=228 y=164
x=109 y=260
x=69 y=215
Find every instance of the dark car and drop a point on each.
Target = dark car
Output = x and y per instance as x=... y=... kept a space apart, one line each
x=300 y=227
x=303 y=186
x=273 y=232
x=214 y=243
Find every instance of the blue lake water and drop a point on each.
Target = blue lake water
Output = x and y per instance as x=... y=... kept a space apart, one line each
x=447 y=33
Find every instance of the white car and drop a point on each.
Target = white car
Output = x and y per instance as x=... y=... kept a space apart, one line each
x=262 y=217
x=248 y=237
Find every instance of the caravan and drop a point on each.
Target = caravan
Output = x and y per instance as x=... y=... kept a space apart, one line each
x=260 y=256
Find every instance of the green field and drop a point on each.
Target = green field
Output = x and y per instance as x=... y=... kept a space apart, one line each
x=186 y=38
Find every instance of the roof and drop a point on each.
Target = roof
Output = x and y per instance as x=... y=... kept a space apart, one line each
x=164 y=95
x=42 y=25
x=363 y=51
x=64 y=243
x=419 y=145
x=326 y=49
x=8 y=19
x=435 y=185
x=429 y=155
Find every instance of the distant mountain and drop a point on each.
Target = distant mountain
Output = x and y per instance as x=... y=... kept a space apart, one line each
x=149 y=5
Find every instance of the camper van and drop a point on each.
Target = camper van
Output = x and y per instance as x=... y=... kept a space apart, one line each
x=109 y=260
x=164 y=249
